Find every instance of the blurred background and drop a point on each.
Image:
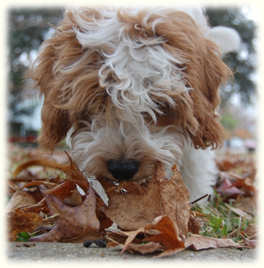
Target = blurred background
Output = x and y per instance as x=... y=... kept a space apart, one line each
x=28 y=28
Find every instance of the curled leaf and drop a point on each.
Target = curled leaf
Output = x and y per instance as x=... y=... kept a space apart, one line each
x=161 y=235
x=74 y=222
x=69 y=168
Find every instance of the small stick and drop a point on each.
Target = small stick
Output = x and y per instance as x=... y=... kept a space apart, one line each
x=200 y=198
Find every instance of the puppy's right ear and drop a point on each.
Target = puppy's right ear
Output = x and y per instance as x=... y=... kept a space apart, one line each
x=60 y=48
x=66 y=73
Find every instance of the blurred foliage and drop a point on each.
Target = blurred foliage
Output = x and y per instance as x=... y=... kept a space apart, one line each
x=242 y=62
x=26 y=31
x=28 y=28
x=228 y=121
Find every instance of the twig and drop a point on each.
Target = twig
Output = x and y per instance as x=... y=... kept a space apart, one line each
x=200 y=198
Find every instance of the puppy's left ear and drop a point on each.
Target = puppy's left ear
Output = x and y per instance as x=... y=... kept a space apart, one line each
x=219 y=40
x=212 y=73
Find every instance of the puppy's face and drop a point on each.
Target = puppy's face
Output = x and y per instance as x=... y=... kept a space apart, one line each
x=131 y=86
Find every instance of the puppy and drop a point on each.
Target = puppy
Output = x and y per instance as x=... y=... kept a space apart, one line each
x=130 y=87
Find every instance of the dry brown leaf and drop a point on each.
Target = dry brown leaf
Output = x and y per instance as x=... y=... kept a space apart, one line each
x=124 y=239
x=74 y=223
x=247 y=204
x=22 y=221
x=140 y=204
x=227 y=188
x=161 y=235
x=228 y=163
x=62 y=190
x=199 y=242
x=174 y=199
x=104 y=221
x=20 y=199
x=169 y=236
x=242 y=166
x=131 y=210
x=12 y=188
x=69 y=168
x=247 y=185
x=38 y=207
x=74 y=199
x=194 y=224
x=115 y=238
x=146 y=248
x=130 y=238
x=57 y=155
x=232 y=185
x=38 y=183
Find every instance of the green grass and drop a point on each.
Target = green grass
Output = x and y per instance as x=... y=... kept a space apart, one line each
x=23 y=237
x=221 y=222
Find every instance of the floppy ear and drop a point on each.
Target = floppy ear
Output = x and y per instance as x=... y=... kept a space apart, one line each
x=55 y=121
x=218 y=41
x=65 y=74
x=212 y=74
x=203 y=72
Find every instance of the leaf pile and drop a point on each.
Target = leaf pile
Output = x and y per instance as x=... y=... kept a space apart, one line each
x=54 y=204
x=236 y=177
x=232 y=213
x=51 y=200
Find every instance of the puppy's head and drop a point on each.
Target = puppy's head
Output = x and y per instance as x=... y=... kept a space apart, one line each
x=129 y=86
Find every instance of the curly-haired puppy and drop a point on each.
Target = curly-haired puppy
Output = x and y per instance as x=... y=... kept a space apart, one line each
x=130 y=87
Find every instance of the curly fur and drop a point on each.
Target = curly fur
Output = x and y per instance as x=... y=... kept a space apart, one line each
x=128 y=83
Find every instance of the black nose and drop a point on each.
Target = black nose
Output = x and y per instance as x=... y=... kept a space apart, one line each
x=123 y=169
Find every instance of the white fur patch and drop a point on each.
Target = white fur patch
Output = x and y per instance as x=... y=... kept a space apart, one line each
x=92 y=147
x=199 y=171
x=142 y=69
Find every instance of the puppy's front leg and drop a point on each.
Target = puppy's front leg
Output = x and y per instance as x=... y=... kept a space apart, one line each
x=199 y=171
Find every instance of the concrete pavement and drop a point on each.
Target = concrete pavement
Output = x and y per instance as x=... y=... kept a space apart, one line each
x=76 y=251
